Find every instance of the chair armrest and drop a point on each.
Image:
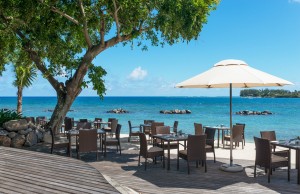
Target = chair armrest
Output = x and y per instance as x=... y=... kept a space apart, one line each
x=283 y=153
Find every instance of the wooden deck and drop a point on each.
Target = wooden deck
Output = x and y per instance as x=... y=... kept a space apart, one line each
x=23 y=171
x=124 y=170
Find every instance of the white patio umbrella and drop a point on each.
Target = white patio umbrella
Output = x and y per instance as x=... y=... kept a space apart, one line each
x=232 y=73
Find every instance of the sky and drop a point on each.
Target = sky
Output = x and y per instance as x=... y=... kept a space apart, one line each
x=263 y=33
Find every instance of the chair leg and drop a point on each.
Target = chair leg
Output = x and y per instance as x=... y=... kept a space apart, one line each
x=145 y=163
x=97 y=155
x=177 y=162
x=214 y=156
x=205 y=166
x=139 y=160
x=188 y=167
x=269 y=174
x=255 y=171
x=242 y=145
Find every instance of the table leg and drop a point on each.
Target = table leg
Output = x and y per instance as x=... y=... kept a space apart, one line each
x=70 y=145
x=298 y=164
x=168 y=155
x=218 y=137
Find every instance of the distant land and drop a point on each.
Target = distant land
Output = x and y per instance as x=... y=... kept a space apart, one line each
x=266 y=93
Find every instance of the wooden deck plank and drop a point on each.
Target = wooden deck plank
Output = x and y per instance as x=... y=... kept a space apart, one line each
x=45 y=173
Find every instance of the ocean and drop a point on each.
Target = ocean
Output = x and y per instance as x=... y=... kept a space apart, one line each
x=285 y=119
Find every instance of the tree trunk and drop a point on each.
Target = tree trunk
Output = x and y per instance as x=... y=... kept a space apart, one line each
x=20 y=99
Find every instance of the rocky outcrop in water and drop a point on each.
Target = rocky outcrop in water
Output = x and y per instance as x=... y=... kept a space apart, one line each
x=251 y=112
x=176 y=111
x=118 y=111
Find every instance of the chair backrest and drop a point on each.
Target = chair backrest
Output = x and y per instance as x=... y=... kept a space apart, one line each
x=175 y=127
x=244 y=126
x=198 y=129
x=154 y=125
x=130 y=126
x=148 y=121
x=113 y=125
x=98 y=119
x=196 y=147
x=143 y=144
x=163 y=130
x=68 y=124
x=83 y=125
x=237 y=132
x=262 y=152
x=118 y=131
x=269 y=135
x=87 y=140
x=30 y=119
x=83 y=120
x=210 y=135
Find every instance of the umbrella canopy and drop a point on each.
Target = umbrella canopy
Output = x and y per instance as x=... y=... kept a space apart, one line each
x=232 y=73
x=236 y=72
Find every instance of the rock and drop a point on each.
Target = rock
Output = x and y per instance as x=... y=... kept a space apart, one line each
x=31 y=139
x=32 y=126
x=117 y=111
x=12 y=134
x=5 y=141
x=175 y=111
x=247 y=112
x=3 y=132
x=25 y=132
x=40 y=135
x=16 y=125
x=18 y=141
x=47 y=137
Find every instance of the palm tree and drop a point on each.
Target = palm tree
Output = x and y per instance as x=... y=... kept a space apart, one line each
x=25 y=74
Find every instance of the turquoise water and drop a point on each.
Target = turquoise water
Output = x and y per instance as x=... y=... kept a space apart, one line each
x=205 y=110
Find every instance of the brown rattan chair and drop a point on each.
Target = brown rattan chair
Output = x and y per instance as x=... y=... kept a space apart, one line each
x=96 y=124
x=153 y=129
x=152 y=152
x=164 y=130
x=175 y=127
x=271 y=136
x=87 y=142
x=244 y=126
x=147 y=129
x=265 y=158
x=195 y=151
x=237 y=135
x=68 y=124
x=131 y=132
x=83 y=125
x=41 y=120
x=114 y=141
x=62 y=143
x=198 y=129
x=112 y=127
x=210 y=141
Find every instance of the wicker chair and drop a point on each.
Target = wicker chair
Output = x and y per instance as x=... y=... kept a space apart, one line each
x=198 y=129
x=152 y=152
x=87 y=142
x=112 y=141
x=68 y=124
x=112 y=128
x=175 y=127
x=153 y=129
x=131 y=132
x=147 y=130
x=159 y=143
x=195 y=151
x=237 y=135
x=210 y=141
x=271 y=136
x=265 y=158
x=83 y=125
x=244 y=126
x=96 y=124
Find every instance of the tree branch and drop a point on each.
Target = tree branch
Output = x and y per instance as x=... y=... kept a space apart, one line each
x=54 y=9
x=116 y=18
x=102 y=28
x=39 y=63
x=85 y=27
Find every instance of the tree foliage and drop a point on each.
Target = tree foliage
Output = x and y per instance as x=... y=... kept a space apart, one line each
x=266 y=93
x=63 y=37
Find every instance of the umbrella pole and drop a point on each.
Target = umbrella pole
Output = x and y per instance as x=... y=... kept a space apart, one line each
x=230 y=91
x=231 y=167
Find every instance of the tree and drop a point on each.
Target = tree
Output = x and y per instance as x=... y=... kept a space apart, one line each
x=65 y=36
x=25 y=72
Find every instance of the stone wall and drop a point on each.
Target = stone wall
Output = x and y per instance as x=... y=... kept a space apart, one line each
x=19 y=133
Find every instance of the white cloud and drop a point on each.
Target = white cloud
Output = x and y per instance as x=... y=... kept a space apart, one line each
x=138 y=74
x=294 y=1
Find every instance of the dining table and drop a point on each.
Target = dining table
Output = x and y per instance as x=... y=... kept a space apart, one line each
x=99 y=124
x=291 y=144
x=168 y=138
x=75 y=133
x=218 y=128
